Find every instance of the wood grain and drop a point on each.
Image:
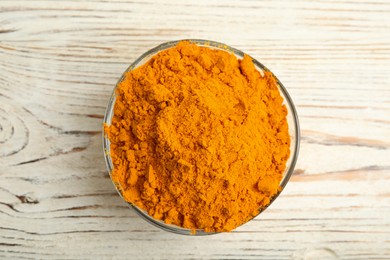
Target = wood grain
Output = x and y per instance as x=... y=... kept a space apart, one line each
x=60 y=60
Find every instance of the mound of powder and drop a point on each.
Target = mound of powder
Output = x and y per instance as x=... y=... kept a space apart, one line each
x=199 y=138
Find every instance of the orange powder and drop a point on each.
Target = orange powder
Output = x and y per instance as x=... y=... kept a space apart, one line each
x=199 y=138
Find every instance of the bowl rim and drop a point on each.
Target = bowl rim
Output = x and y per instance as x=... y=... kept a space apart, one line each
x=109 y=112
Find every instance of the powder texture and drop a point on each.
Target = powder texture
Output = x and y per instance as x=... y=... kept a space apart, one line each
x=199 y=138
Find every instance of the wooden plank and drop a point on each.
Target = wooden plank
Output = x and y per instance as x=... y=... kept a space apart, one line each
x=60 y=60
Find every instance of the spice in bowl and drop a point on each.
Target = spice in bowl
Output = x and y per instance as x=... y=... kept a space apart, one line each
x=198 y=138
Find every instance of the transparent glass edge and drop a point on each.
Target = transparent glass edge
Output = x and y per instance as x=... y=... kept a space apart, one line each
x=207 y=43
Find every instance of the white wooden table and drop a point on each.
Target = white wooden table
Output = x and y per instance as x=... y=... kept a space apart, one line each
x=59 y=62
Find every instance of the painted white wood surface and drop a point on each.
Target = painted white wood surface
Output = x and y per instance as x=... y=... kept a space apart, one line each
x=60 y=60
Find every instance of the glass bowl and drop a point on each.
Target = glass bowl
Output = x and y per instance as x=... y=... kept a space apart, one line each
x=292 y=119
